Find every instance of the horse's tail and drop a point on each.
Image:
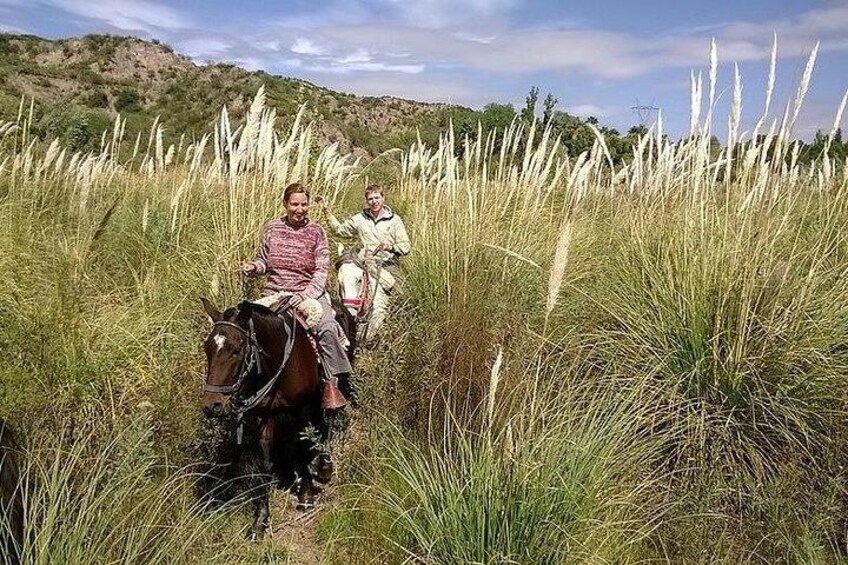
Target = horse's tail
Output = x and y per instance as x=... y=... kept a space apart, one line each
x=11 y=501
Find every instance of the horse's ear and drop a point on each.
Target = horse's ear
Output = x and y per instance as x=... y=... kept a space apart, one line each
x=340 y=248
x=211 y=311
x=244 y=313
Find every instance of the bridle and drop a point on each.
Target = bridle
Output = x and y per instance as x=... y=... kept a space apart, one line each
x=250 y=359
x=361 y=303
x=365 y=300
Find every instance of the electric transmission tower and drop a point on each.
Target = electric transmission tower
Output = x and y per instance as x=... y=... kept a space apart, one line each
x=644 y=111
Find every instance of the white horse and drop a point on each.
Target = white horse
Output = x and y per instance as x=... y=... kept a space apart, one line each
x=363 y=287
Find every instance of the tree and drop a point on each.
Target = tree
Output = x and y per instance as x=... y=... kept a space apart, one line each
x=549 y=105
x=497 y=116
x=637 y=131
x=528 y=114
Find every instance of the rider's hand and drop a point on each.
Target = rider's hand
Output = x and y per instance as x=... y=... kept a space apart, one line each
x=319 y=200
x=386 y=243
x=248 y=268
x=295 y=300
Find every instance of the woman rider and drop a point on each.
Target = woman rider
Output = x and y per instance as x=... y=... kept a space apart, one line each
x=383 y=235
x=295 y=257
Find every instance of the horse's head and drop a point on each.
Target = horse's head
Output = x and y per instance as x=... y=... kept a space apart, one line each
x=355 y=286
x=227 y=349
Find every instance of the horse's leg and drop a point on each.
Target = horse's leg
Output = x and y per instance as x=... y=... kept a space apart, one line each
x=307 y=452
x=266 y=442
x=325 y=420
x=261 y=512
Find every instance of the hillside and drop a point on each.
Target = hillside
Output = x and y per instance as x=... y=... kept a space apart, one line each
x=80 y=85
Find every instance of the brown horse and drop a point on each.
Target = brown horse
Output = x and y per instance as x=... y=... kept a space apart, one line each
x=11 y=502
x=263 y=368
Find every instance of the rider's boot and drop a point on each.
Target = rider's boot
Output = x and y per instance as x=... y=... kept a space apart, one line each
x=348 y=390
x=332 y=397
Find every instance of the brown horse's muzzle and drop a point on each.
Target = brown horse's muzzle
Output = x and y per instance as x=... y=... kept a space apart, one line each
x=214 y=404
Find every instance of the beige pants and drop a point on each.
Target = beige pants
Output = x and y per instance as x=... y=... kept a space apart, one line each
x=380 y=304
x=379 y=309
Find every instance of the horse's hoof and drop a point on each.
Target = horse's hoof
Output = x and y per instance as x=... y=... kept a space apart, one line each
x=255 y=534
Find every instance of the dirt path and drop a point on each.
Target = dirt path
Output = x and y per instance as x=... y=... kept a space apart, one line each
x=297 y=531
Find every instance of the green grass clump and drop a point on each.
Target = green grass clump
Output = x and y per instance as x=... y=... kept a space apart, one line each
x=97 y=493
x=565 y=480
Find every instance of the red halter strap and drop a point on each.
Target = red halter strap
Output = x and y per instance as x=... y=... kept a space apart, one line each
x=362 y=303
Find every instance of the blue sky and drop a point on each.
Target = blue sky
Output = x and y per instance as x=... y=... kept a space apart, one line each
x=597 y=57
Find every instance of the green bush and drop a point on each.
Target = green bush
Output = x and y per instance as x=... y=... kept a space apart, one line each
x=128 y=100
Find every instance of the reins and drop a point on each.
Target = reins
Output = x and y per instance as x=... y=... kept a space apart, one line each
x=365 y=301
x=253 y=358
x=248 y=360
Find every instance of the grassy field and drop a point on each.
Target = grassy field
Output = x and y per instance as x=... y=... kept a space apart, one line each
x=588 y=362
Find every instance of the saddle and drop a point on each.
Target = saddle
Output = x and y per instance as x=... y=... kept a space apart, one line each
x=374 y=267
x=309 y=313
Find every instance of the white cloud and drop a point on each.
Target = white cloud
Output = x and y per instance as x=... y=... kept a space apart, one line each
x=446 y=13
x=129 y=15
x=484 y=39
x=330 y=57
x=586 y=110
x=303 y=46
x=269 y=45
x=199 y=47
x=338 y=67
x=6 y=28
x=358 y=56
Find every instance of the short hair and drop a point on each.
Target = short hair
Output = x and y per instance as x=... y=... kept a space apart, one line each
x=295 y=188
x=373 y=188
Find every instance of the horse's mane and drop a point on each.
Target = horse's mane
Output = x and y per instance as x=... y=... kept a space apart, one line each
x=246 y=310
x=255 y=309
x=350 y=255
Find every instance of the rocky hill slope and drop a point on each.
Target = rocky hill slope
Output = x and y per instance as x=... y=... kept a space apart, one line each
x=79 y=85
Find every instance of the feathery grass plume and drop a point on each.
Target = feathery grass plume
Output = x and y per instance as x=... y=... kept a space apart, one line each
x=695 y=101
x=733 y=123
x=713 y=80
x=560 y=262
x=838 y=119
x=494 y=379
x=772 y=74
x=804 y=85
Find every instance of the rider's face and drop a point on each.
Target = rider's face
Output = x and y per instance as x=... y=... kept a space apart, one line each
x=297 y=207
x=375 y=202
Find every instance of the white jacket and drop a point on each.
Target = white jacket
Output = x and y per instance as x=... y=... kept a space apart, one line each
x=388 y=229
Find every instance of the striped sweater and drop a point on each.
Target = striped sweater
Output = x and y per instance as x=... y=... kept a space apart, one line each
x=295 y=258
